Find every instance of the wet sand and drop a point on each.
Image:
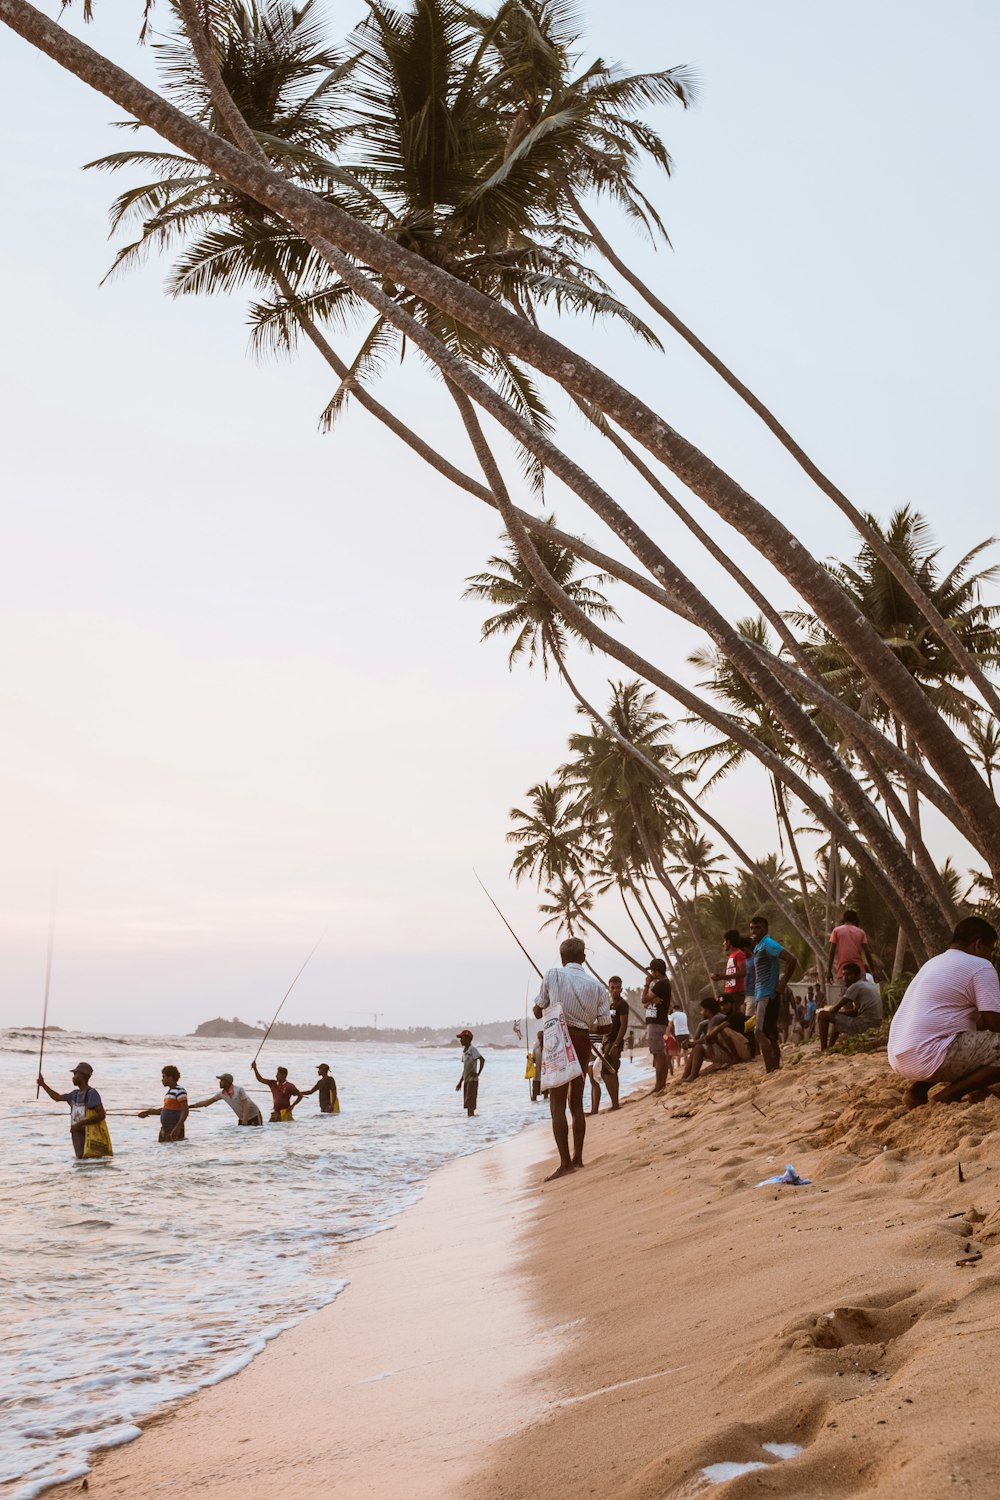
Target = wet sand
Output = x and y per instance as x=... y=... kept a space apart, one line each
x=625 y=1330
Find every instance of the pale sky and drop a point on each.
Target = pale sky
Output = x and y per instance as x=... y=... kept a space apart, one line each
x=241 y=696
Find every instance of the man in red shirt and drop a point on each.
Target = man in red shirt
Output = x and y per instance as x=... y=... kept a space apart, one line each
x=848 y=945
x=284 y=1095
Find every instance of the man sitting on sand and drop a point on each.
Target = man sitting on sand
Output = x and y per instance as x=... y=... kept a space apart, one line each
x=947 y=1027
x=848 y=945
x=284 y=1095
x=720 y=1039
x=585 y=1006
x=858 y=1010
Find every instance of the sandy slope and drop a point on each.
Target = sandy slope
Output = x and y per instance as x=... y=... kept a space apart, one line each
x=616 y=1332
x=720 y=1316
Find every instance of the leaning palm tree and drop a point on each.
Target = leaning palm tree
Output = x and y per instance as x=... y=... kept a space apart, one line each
x=583 y=121
x=539 y=633
x=394 y=130
x=550 y=840
x=725 y=754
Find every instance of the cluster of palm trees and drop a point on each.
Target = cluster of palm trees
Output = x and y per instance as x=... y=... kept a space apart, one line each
x=435 y=182
x=629 y=815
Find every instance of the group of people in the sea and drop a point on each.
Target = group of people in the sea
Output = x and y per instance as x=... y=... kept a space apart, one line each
x=88 y=1118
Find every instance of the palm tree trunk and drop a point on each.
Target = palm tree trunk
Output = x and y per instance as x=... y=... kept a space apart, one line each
x=786 y=822
x=337 y=236
x=908 y=894
x=963 y=657
x=643 y=937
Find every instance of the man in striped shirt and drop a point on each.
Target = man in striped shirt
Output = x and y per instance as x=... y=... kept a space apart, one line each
x=586 y=1005
x=174 y=1109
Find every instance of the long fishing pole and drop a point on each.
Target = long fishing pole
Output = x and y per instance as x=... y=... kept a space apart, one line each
x=285 y=996
x=510 y=928
x=48 y=981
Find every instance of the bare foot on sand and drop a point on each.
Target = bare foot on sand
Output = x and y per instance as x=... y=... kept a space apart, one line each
x=559 y=1172
x=577 y=1164
x=916 y=1095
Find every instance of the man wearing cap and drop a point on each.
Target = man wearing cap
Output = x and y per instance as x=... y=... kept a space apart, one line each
x=586 y=1005
x=85 y=1107
x=326 y=1087
x=239 y=1101
x=473 y=1063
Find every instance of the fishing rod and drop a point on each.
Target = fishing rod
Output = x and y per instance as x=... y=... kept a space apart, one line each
x=510 y=928
x=48 y=981
x=285 y=996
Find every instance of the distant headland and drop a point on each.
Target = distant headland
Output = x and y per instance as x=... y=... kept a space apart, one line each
x=495 y=1033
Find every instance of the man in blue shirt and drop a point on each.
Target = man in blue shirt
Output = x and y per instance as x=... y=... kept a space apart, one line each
x=773 y=968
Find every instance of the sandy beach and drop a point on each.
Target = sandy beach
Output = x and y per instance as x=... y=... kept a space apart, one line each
x=624 y=1330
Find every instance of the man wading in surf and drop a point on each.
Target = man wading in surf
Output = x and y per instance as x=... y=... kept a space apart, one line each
x=85 y=1107
x=586 y=1005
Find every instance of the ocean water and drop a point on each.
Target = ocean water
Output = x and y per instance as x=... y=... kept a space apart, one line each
x=129 y=1283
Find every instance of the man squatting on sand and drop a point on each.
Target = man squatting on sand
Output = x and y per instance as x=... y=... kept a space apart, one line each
x=947 y=1027
x=585 y=1005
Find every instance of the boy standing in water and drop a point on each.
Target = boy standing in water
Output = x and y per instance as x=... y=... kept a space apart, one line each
x=473 y=1063
x=85 y=1107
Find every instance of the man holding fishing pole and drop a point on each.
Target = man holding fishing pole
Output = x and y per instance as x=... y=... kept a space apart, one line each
x=585 y=1005
x=85 y=1107
x=284 y=1095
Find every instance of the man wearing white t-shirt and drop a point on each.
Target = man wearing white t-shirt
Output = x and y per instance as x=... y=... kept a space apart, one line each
x=586 y=1005
x=947 y=1027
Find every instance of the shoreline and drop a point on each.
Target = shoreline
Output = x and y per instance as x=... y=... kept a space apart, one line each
x=396 y=1339
x=655 y=1327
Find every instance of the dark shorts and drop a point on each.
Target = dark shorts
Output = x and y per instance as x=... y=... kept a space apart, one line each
x=581 y=1046
x=166 y=1139
x=613 y=1056
x=768 y=1008
x=470 y=1093
x=257 y=1120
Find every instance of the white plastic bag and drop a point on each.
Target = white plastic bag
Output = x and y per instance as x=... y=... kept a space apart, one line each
x=560 y=1063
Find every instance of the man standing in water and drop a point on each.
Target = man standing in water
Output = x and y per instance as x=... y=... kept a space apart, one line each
x=174 y=1109
x=239 y=1101
x=85 y=1107
x=326 y=1087
x=473 y=1063
x=284 y=1095
x=585 y=1005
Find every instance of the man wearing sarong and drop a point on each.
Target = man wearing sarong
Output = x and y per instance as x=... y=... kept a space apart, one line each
x=284 y=1095
x=326 y=1087
x=586 y=1007
x=85 y=1107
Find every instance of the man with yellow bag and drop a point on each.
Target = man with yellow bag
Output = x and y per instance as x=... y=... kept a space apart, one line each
x=87 y=1127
